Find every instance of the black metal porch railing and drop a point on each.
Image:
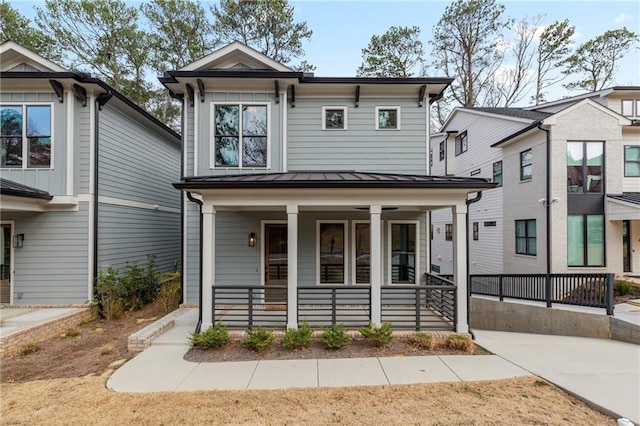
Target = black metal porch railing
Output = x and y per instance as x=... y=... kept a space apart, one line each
x=593 y=290
x=5 y=272
x=430 y=307
x=242 y=307
x=325 y=305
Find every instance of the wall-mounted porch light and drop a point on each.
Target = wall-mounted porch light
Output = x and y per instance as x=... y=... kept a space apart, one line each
x=18 y=240
x=252 y=239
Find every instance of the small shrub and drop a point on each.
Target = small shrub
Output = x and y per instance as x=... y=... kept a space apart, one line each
x=378 y=336
x=139 y=284
x=169 y=291
x=71 y=332
x=109 y=294
x=422 y=341
x=29 y=348
x=107 y=349
x=214 y=337
x=623 y=287
x=258 y=339
x=460 y=343
x=298 y=338
x=335 y=337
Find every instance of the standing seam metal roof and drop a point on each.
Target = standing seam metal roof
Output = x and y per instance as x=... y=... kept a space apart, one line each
x=8 y=187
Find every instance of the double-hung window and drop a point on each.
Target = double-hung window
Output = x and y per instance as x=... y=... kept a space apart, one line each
x=585 y=166
x=526 y=242
x=632 y=161
x=462 y=143
x=25 y=135
x=526 y=165
x=497 y=173
x=448 y=232
x=241 y=135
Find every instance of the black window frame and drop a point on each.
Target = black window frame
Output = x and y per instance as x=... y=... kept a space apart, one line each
x=585 y=239
x=530 y=241
x=476 y=231
x=585 y=169
x=441 y=151
x=625 y=148
x=495 y=180
x=462 y=143
x=522 y=166
x=448 y=232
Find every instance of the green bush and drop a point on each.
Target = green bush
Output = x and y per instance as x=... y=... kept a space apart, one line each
x=378 y=336
x=623 y=287
x=139 y=284
x=258 y=339
x=109 y=294
x=335 y=337
x=422 y=341
x=214 y=337
x=298 y=338
x=169 y=292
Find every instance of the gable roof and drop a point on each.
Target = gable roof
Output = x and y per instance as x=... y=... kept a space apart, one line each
x=597 y=94
x=9 y=187
x=12 y=55
x=622 y=120
x=233 y=54
x=514 y=112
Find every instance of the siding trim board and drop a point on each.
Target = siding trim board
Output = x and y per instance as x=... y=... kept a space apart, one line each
x=129 y=203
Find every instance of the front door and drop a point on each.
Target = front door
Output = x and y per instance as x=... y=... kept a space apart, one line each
x=5 y=265
x=626 y=246
x=276 y=271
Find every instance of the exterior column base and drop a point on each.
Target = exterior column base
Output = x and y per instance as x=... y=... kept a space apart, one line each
x=292 y=326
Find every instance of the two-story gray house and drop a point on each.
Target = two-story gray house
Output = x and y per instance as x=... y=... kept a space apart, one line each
x=85 y=182
x=300 y=188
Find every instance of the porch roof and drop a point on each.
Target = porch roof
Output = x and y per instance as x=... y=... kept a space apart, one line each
x=331 y=179
x=8 y=187
x=625 y=206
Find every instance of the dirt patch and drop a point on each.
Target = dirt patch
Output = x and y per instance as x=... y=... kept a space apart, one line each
x=81 y=401
x=97 y=345
x=234 y=351
x=632 y=295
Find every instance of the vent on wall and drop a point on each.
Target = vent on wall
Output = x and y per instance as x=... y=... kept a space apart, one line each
x=490 y=223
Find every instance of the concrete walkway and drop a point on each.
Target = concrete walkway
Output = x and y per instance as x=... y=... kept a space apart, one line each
x=604 y=373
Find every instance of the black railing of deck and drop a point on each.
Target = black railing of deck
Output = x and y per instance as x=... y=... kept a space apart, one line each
x=419 y=307
x=246 y=307
x=326 y=305
x=5 y=272
x=593 y=290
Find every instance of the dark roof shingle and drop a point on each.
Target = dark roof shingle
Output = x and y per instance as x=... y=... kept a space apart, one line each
x=629 y=197
x=515 y=112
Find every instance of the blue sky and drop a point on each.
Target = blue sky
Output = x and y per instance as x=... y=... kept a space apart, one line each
x=341 y=29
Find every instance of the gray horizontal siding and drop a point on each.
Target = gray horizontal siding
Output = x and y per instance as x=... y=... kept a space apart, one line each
x=134 y=162
x=360 y=146
x=82 y=144
x=52 y=266
x=192 y=249
x=129 y=234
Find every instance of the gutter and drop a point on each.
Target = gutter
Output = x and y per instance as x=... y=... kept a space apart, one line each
x=475 y=199
x=199 y=203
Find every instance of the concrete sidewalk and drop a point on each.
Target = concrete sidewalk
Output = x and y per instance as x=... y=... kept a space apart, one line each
x=604 y=373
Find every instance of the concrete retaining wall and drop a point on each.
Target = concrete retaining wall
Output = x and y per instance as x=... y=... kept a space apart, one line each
x=494 y=315
x=625 y=331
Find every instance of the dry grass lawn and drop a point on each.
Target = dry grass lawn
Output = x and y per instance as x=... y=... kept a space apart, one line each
x=82 y=401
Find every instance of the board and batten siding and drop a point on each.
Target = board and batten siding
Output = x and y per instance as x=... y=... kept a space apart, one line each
x=129 y=234
x=360 y=147
x=51 y=267
x=52 y=180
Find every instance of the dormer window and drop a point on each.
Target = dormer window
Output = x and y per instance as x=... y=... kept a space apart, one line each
x=25 y=135
x=241 y=140
x=334 y=118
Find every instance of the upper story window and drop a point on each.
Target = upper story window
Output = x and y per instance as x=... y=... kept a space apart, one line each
x=334 y=118
x=585 y=166
x=448 y=232
x=461 y=143
x=497 y=173
x=441 y=150
x=387 y=118
x=526 y=242
x=630 y=107
x=525 y=164
x=241 y=135
x=632 y=161
x=25 y=134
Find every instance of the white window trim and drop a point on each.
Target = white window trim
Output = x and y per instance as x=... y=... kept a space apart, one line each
x=324 y=121
x=346 y=250
x=25 y=142
x=377 y=122
x=634 y=112
x=390 y=252
x=212 y=137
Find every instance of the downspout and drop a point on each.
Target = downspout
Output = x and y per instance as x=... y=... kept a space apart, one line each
x=199 y=203
x=101 y=100
x=547 y=205
x=180 y=270
x=475 y=199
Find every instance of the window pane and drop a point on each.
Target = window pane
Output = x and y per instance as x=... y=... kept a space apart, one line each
x=403 y=247
x=595 y=240
x=521 y=245
x=363 y=251
x=627 y=107
x=226 y=120
x=531 y=228
x=497 y=173
x=332 y=253
x=533 y=250
x=632 y=153
x=11 y=151
x=632 y=169
x=11 y=120
x=521 y=228
x=526 y=173
x=39 y=120
x=594 y=154
x=575 y=241
x=226 y=151
x=254 y=120
x=632 y=161
x=39 y=152
x=254 y=151
x=334 y=119
x=387 y=118
x=526 y=157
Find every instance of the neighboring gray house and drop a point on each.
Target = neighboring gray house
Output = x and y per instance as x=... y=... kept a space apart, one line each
x=85 y=182
x=302 y=181
x=581 y=153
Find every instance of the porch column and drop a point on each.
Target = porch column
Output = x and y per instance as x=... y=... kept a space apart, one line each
x=376 y=265
x=460 y=265
x=292 y=266
x=208 y=263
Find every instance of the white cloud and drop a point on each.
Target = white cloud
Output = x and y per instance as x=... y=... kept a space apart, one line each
x=622 y=18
